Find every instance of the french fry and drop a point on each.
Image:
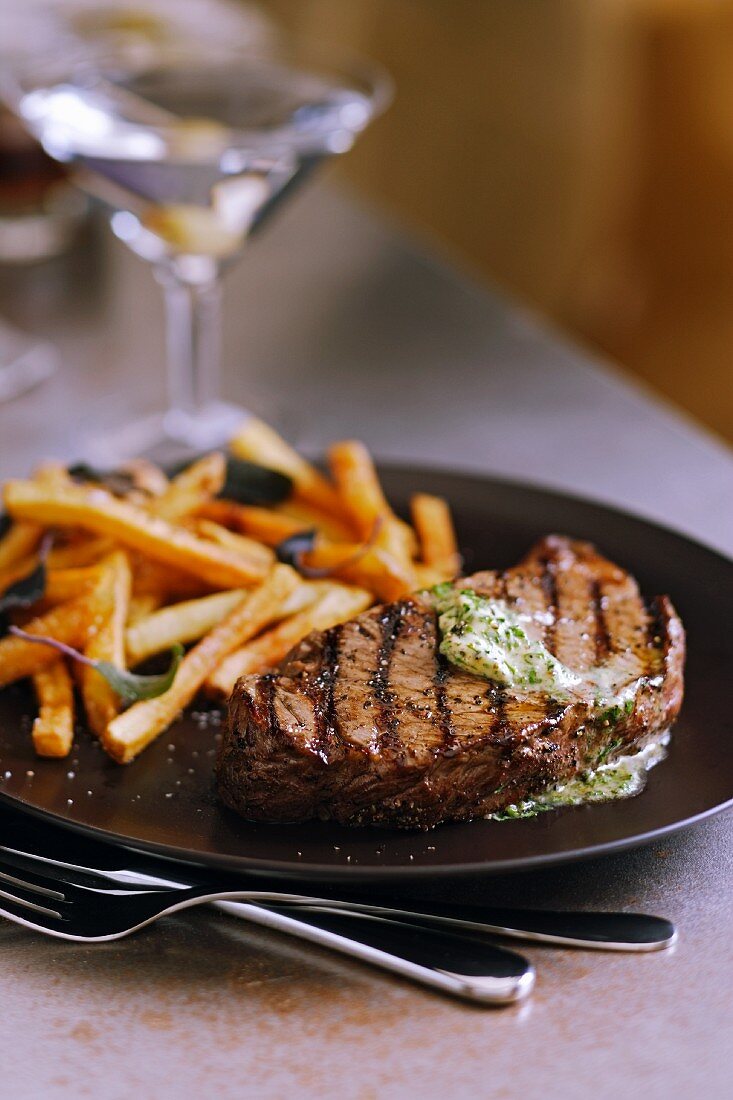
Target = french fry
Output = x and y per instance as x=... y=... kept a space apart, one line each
x=335 y=606
x=107 y=642
x=193 y=487
x=373 y=568
x=364 y=501
x=63 y=585
x=263 y=524
x=165 y=584
x=189 y=620
x=257 y=442
x=179 y=622
x=306 y=516
x=19 y=543
x=52 y=474
x=238 y=544
x=80 y=552
x=53 y=728
x=98 y=511
x=434 y=525
x=130 y=732
x=16 y=572
x=147 y=477
x=70 y=622
x=141 y=606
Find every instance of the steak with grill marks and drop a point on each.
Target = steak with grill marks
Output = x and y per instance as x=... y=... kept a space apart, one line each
x=367 y=723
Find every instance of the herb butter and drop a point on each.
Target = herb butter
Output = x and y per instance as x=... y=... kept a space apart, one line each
x=491 y=639
x=622 y=778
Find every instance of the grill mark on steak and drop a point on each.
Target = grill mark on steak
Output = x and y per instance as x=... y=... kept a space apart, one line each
x=444 y=714
x=325 y=683
x=387 y=721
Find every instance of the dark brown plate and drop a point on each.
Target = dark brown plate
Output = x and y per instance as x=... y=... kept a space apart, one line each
x=165 y=801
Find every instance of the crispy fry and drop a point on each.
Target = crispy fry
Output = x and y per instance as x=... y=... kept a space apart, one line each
x=141 y=606
x=131 y=731
x=375 y=569
x=180 y=622
x=238 y=544
x=264 y=524
x=364 y=501
x=61 y=584
x=79 y=552
x=19 y=543
x=147 y=477
x=335 y=606
x=52 y=474
x=189 y=620
x=17 y=571
x=193 y=487
x=98 y=511
x=306 y=516
x=107 y=642
x=257 y=442
x=67 y=584
x=166 y=584
x=434 y=525
x=70 y=622
x=53 y=729
x=358 y=485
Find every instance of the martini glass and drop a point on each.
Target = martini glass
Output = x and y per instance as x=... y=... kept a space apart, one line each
x=191 y=149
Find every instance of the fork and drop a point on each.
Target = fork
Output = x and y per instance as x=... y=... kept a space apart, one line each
x=464 y=966
x=589 y=930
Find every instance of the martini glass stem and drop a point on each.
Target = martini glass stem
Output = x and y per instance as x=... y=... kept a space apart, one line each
x=193 y=342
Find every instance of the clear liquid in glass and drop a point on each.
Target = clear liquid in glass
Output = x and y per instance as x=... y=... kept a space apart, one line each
x=195 y=157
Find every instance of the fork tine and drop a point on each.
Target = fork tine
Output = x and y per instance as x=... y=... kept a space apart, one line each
x=35 y=883
x=40 y=920
x=16 y=896
x=53 y=872
x=32 y=879
x=93 y=877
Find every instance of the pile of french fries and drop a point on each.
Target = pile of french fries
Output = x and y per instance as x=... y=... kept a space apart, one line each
x=171 y=562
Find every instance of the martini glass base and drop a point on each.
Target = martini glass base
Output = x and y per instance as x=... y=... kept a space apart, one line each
x=169 y=436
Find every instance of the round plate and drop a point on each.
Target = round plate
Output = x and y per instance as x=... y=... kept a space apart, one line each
x=165 y=800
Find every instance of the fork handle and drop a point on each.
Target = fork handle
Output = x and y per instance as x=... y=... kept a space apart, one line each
x=462 y=966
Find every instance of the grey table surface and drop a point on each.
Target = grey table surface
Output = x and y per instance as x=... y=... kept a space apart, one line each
x=337 y=326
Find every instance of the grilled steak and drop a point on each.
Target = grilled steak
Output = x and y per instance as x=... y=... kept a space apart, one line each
x=368 y=723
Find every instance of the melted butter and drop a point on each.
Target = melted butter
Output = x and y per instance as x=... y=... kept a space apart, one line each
x=491 y=639
x=621 y=778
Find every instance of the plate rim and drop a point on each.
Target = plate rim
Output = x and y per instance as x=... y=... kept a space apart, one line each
x=353 y=872
x=248 y=865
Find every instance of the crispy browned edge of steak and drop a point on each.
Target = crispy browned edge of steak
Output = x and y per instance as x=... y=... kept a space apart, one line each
x=267 y=775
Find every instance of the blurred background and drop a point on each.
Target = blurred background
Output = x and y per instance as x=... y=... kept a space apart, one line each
x=578 y=153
